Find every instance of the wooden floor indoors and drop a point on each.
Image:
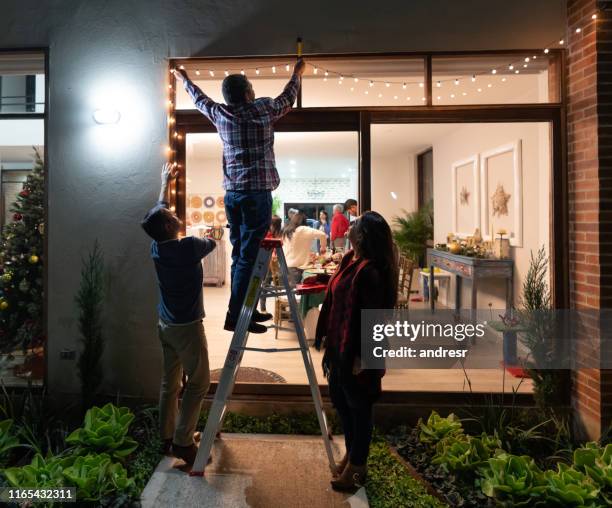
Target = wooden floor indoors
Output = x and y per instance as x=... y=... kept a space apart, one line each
x=290 y=366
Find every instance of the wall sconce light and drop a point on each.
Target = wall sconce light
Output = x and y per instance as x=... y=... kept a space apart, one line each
x=106 y=116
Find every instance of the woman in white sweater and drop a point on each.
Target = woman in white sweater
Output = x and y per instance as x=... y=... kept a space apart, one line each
x=297 y=240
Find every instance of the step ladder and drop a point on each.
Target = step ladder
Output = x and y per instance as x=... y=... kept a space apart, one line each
x=238 y=347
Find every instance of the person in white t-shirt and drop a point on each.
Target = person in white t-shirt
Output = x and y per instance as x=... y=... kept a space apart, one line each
x=297 y=241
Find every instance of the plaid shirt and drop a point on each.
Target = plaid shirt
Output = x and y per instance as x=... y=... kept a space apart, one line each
x=247 y=132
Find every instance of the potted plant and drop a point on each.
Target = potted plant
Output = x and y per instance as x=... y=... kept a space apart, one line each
x=414 y=231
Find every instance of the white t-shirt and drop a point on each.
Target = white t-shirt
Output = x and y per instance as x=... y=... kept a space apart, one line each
x=297 y=250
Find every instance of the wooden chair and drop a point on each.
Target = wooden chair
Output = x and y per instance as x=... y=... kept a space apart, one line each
x=404 y=285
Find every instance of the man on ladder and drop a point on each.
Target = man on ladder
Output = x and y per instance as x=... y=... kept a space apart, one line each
x=246 y=127
x=238 y=346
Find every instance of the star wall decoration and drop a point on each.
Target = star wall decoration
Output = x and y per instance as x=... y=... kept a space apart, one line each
x=499 y=200
x=464 y=196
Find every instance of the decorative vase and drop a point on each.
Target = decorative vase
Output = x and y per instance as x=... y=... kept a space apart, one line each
x=501 y=248
x=454 y=248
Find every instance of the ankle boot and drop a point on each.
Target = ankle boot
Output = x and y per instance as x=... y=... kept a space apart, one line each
x=341 y=466
x=351 y=478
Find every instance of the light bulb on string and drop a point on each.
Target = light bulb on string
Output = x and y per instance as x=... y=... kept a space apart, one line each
x=423 y=99
x=546 y=51
x=404 y=86
x=489 y=85
x=438 y=97
x=504 y=79
x=464 y=93
x=525 y=65
x=473 y=77
x=182 y=67
x=274 y=69
x=326 y=73
x=534 y=57
x=516 y=71
x=170 y=87
x=257 y=71
x=287 y=67
x=407 y=98
x=352 y=89
x=452 y=96
x=315 y=71
x=511 y=67
x=594 y=16
x=341 y=77
x=438 y=84
x=212 y=74
x=480 y=89
x=226 y=73
x=355 y=80
x=527 y=59
x=561 y=42
x=197 y=72
x=494 y=71
x=366 y=92
x=421 y=85
x=371 y=83
x=456 y=81
x=395 y=97
x=379 y=95
x=578 y=30
x=387 y=84
x=242 y=72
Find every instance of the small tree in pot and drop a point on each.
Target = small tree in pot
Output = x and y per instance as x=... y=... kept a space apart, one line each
x=413 y=232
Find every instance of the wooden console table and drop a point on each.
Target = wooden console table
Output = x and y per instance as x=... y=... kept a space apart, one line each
x=476 y=269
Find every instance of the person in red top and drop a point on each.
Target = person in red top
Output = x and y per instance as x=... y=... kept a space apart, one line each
x=339 y=226
x=366 y=279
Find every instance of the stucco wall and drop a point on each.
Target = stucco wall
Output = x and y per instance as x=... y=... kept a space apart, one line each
x=101 y=181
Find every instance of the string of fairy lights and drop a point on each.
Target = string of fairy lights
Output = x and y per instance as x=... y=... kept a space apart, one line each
x=380 y=88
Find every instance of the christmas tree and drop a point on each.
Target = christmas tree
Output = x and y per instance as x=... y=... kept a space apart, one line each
x=21 y=267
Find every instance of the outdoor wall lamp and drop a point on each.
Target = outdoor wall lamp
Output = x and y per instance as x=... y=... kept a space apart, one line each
x=106 y=116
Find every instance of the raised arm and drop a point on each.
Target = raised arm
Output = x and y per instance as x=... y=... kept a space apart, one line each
x=283 y=103
x=168 y=174
x=203 y=103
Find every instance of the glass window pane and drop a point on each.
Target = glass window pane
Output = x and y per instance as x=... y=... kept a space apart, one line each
x=495 y=79
x=22 y=82
x=268 y=78
x=363 y=82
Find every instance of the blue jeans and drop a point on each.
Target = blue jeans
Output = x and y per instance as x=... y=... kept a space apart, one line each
x=249 y=215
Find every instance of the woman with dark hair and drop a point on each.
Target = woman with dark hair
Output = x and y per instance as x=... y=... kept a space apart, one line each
x=274 y=231
x=366 y=279
x=297 y=239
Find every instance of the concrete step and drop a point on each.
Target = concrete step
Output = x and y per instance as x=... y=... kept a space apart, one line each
x=254 y=470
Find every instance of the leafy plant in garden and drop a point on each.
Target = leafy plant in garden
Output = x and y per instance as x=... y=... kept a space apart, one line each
x=95 y=476
x=89 y=302
x=549 y=384
x=436 y=428
x=568 y=487
x=596 y=463
x=465 y=454
x=41 y=473
x=512 y=479
x=21 y=266
x=8 y=440
x=105 y=430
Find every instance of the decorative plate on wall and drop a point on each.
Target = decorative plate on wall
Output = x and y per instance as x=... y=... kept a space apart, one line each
x=195 y=202
x=209 y=217
x=209 y=201
x=220 y=202
x=221 y=217
x=196 y=217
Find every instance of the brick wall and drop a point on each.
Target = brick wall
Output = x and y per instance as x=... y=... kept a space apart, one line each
x=589 y=139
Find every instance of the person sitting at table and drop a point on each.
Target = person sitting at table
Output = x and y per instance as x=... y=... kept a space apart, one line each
x=297 y=239
x=339 y=227
x=366 y=279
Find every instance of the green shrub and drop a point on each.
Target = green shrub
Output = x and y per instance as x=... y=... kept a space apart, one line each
x=8 y=440
x=596 y=462
x=105 y=430
x=512 y=479
x=438 y=428
x=569 y=487
x=95 y=476
x=40 y=473
x=465 y=454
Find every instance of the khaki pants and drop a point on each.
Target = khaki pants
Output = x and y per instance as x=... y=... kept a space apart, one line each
x=184 y=348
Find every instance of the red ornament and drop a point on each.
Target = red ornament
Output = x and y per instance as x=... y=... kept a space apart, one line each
x=17 y=216
x=24 y=193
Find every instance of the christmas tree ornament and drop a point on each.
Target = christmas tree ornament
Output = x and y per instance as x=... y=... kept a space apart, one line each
x=4 y=305
x=17 y=216
x=41 y=228
x=6 y=277
x=33 y=259
x=24 y=193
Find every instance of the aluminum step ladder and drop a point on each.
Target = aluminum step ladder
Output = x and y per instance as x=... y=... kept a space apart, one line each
x=238 y=347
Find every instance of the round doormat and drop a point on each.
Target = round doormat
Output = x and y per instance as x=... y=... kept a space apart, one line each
x=251 y=375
